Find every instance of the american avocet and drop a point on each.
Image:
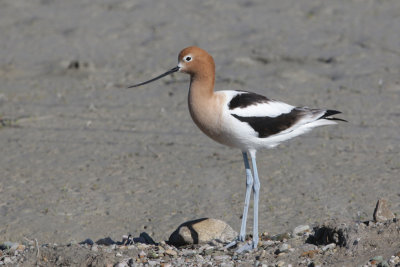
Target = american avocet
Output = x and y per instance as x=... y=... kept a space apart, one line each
x=242 y=119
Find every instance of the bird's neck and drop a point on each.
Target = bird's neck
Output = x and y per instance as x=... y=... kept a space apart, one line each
x=202 y=85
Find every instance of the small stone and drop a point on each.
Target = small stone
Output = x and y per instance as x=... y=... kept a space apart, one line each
x=394 y=259
x=284 y=247
x=382 y=212
x=329 y=246
x=9 y=245
x=87 y=241
x=152 y=263
x=153 y=255
x=309 y=254
x=301 y=229
x=221 y=257
x=268 y=243
x=263 y=254
x=118 y=254
x=7 y=260
x=378 y=260
x=121 y=264
x=202 y=231
x=171 y=252
x=187 y=252
x=280 y=237
x=208 y=251
x=142 y=246
x=95 y=248
x=280 y=263
x=142 y=254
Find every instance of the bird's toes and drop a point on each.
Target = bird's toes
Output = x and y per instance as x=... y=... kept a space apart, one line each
x=245 y=248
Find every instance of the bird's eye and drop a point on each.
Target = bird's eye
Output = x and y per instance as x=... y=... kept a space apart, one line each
x=188 y=58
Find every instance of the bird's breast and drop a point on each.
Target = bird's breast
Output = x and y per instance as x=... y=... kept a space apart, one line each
x=207 y=114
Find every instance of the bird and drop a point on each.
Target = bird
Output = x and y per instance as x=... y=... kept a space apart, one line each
x=244 y=120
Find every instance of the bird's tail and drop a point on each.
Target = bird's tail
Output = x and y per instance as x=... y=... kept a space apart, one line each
x=328 y=115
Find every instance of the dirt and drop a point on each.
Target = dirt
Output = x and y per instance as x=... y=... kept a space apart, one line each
x=84 y=157
x=333 y=243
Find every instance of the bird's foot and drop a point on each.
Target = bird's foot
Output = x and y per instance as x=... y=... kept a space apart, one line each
x=235 y=242
x=247 y=246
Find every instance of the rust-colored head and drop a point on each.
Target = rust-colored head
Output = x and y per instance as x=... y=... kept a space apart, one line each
x=194 y=61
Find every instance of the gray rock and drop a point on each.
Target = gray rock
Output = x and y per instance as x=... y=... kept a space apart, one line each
x=284 y=248
x=382 y=213
x=299 y=230
x=9 y=245
x=7 y=260
x=202 y=231
x=329 y=246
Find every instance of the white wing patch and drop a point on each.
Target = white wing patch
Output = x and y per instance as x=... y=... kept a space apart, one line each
x=271 y=108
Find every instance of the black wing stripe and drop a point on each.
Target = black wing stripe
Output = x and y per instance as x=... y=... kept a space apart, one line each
x=267 y=126
x=246 y=99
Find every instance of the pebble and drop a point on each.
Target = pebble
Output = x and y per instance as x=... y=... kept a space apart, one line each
x=9 y=245
x=284 y=247
x=142 y=254
x=7 y=260
x=268 y=243
x=377 y=258
x=300 y=230
x=382 y=212
x=122 y=264
x=171 y=252
x=329 y=246
x=310 y=253
x=281 y=237
x=221 y=257
x=86 y=241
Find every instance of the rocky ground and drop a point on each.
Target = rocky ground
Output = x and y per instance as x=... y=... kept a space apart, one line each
x=333 y=243
x=83 y=157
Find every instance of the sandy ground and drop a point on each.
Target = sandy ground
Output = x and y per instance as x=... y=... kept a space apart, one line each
x=84 y=157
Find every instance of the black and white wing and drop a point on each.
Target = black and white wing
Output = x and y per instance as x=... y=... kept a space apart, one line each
x=269 y=117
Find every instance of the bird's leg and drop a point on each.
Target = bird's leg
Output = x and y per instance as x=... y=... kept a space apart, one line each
x=256 y=190
x=249 y=185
